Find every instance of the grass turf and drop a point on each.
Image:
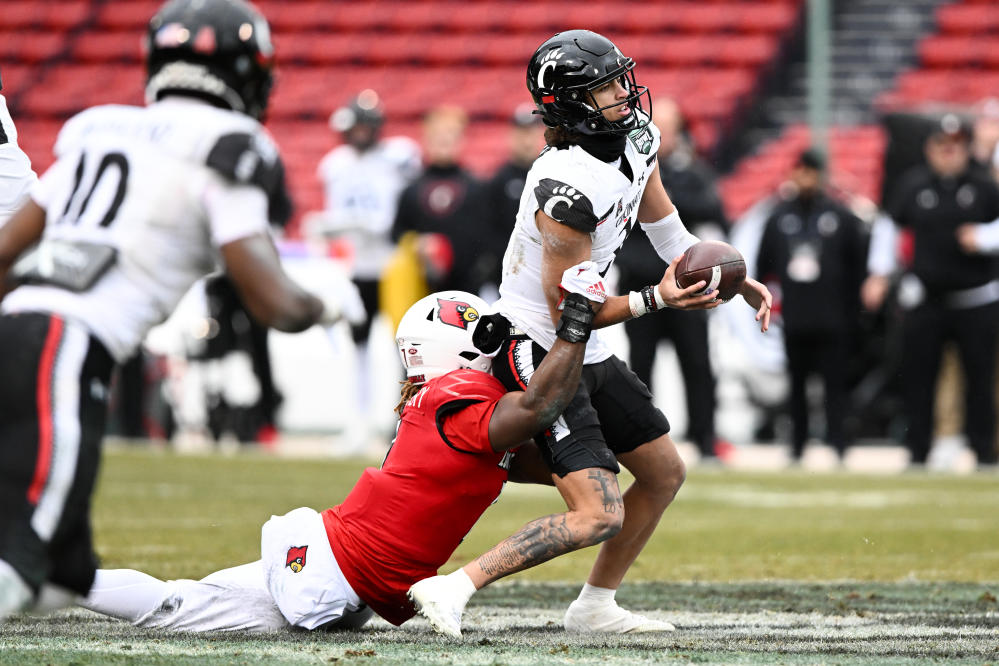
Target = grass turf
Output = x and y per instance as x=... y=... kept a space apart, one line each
x=915 y=555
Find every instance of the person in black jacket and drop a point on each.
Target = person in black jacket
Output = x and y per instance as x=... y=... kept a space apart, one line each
x=447 y=202
x=690 y=183
x=815 y=248
x=949 y=291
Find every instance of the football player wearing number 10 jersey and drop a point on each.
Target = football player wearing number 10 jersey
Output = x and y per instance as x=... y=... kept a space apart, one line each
x=140 y=203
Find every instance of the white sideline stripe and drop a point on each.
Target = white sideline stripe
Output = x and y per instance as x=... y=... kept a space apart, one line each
x=65 y=430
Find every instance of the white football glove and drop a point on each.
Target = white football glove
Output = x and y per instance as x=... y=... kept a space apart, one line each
x=584 y=279
x=346 y=304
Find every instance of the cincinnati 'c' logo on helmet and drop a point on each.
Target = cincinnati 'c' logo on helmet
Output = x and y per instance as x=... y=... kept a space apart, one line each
x=456 y=313
x=296 y=558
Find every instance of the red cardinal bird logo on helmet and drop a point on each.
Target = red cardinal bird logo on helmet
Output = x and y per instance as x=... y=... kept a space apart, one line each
x=456 y=313
x=296 y=558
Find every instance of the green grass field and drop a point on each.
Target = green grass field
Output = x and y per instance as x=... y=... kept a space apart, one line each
x=755 y=568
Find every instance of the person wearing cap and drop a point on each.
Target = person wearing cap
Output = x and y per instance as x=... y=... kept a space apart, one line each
x=947 y=290
x=690 y=183
x=503 y=190
x=814 y=247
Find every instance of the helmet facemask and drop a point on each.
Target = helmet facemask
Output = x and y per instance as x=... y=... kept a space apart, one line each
x=595 y=121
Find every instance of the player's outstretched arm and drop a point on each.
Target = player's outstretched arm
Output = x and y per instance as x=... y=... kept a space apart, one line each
x=273 y=298
x=19 y=233
x=522 y=414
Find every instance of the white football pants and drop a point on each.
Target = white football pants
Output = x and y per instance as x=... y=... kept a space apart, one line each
x=267 y=595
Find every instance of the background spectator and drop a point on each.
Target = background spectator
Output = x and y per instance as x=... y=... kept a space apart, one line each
x=362 y=179
x=447 y=203
x=949 y=292
x=815 y=248
x=690 y=183
x=503 y=190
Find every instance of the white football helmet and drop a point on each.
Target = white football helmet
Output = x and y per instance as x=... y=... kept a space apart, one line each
x=435 y=335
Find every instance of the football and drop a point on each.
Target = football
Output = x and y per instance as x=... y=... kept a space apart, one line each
x=719 y=264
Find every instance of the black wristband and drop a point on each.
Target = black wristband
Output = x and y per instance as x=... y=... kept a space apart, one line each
x=649 y=299
x=577 y=319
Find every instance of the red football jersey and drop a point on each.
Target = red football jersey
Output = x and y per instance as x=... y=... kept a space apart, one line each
x=401 y=523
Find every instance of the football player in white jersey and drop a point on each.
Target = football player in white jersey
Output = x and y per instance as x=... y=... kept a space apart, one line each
x=16 y=176
x=362 y=179
x=597 y=180
x=140 y=203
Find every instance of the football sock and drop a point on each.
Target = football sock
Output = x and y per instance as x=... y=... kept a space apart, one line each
x=461 y=584
x=592 y=595
x=126 y=594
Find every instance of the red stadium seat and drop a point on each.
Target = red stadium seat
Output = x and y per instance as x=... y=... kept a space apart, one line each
x=108 y=47
x=60 y=56
x=55 y=15
x=952 y=51
x=133 y=15
x=30 y=48
x=968 y=19
x=772 y=18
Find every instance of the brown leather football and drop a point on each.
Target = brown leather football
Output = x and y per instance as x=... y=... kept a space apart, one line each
x=719 y=264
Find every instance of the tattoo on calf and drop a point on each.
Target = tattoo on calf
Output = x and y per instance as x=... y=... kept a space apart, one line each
x=537 y=542
x=607 y=485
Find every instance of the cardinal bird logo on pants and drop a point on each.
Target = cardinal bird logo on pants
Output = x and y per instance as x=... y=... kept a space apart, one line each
x=296 y=558
x=456 y=313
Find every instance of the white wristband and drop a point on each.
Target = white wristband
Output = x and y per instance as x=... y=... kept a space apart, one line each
x=636 y=304
x=660 y=301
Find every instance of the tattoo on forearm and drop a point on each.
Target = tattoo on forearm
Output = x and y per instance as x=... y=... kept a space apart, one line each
x=607 y=485
x=537 y=542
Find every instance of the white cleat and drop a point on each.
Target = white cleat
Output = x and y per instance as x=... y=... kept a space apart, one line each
x=610 y=619
x=442 y=607
x=15 y=595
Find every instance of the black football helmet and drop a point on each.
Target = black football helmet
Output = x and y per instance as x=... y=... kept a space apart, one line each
x=218 y=50
x=567 y=67
x=365 y=109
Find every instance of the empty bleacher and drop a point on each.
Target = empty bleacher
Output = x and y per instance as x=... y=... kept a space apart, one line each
x=61 y=56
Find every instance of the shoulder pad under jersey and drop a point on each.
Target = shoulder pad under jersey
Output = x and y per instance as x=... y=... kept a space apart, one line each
x=467 y=385
x=253 y=159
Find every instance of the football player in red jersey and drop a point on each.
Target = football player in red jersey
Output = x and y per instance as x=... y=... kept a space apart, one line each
x=401 y=522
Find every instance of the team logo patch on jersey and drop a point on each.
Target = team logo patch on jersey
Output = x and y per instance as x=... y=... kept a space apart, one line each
x=296 y=558
x=642 y=138
x=566 y=204
x=456 y=313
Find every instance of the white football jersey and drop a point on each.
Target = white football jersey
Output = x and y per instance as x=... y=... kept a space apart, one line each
x=578 y=190
x=362 y=193
x=16 y=176
x=165 y=185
